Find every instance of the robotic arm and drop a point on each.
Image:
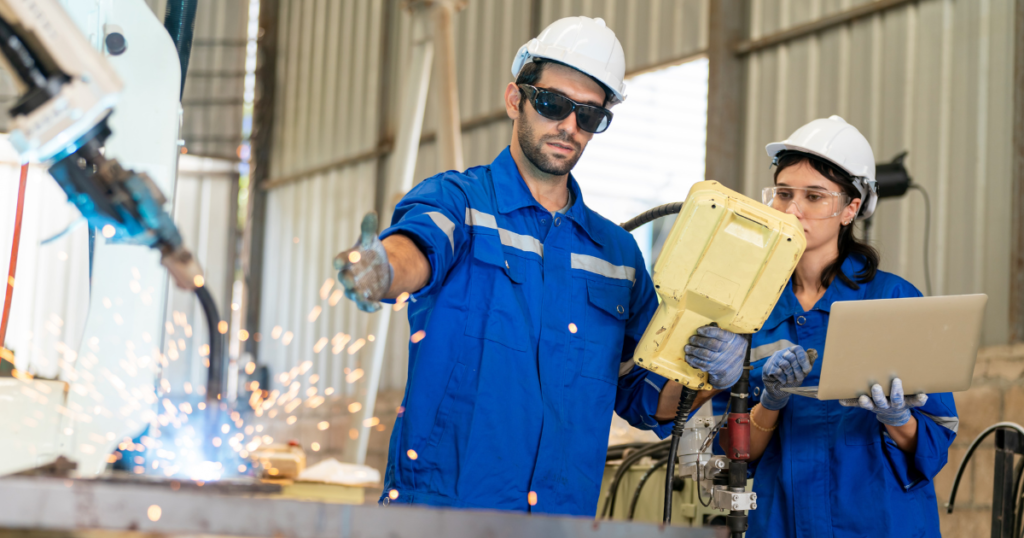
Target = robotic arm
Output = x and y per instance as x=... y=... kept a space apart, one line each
x=68 y=91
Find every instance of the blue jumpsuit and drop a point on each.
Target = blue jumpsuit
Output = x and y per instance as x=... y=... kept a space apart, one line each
x=530 y=321
x=831 y=470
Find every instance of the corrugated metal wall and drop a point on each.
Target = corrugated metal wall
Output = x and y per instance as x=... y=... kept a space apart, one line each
x=335 y=102
x=213 y=101
x=330 y=54
x=932 y=77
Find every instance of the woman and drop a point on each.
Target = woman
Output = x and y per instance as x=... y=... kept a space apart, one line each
x=827 y=468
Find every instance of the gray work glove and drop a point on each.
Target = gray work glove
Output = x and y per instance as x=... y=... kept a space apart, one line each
x=894 y=410
x=786 y=368
x=718 y=352
x=364 y=270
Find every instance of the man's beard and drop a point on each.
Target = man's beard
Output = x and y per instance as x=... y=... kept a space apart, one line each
x=534 y=150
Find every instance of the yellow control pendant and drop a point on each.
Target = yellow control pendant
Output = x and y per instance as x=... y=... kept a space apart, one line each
x=726 y=261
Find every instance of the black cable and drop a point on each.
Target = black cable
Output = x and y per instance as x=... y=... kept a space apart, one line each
x=643 y=480
x=682 y=412
x=927 y=234
x=609 y=503
x=1018 y=472
x=651 y=214
x=217 y=371
x=655 y=449
x=970 y=452
x=617 y=451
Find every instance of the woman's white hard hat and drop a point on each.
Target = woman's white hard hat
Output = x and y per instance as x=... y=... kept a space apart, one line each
x=841 y=144
x=585 y=44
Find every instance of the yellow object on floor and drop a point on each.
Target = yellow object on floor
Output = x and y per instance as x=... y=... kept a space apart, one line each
x=726 y=261
x=320 y=492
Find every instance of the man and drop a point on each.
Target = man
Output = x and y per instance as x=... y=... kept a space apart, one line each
x=528 y=304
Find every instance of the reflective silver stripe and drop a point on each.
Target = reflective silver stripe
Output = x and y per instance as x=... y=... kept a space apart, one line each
x=479 y=218
x=522 y=242
x=509 y=238
x=446 y=226
x=625 y=368
x=653 y=384
x=950 y=423
x=767 y=350
x=601 y=267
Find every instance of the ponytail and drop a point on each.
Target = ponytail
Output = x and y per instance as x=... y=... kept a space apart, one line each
x=849 y=245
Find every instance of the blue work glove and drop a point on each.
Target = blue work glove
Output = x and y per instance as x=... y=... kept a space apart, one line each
x=786 y=368
x=364 y=270
x=894 y=410
x=719 y=353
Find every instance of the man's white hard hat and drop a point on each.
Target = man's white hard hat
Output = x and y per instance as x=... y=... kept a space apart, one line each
x=587 y=45
x=841 y=144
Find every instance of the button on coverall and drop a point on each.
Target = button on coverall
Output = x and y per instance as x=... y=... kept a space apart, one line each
x=831 y=470
x=530 y=321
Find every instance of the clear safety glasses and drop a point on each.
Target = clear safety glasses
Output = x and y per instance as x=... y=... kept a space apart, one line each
x=592 y=119
x=814 y=203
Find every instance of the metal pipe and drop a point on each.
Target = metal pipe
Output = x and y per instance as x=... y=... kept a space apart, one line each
x=449 y=136
x=1017 y=260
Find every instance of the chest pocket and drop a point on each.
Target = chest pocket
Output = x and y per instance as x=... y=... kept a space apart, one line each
x=496 y=310
x=604 y=329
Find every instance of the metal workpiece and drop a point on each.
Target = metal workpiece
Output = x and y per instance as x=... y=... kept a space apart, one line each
x=731 y=500
x=49 y=506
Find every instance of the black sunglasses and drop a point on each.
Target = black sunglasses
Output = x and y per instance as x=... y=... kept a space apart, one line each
x=590 y=118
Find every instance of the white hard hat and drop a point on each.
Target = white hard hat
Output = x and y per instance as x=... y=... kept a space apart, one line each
x=587 y=45
x=841 y=144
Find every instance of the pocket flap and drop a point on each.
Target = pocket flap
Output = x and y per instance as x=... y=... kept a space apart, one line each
x=608 y=297
x=487 y=249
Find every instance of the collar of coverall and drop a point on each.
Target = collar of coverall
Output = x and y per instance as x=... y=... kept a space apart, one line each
x=512 y=194
x=788 y=305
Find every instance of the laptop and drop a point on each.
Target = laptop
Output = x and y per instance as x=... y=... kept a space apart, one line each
x=930 y=343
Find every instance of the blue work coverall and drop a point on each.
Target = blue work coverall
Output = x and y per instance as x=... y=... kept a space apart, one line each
x=831 y=470
x=530 y=323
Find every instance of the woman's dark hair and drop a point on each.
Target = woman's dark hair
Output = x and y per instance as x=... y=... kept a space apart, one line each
x=531 y=72
x=849 y=245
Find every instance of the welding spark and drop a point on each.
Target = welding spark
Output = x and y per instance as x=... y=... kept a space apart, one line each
x=153 y=512
x=276 y=332
x=323 y=425
x=412 y=454
x=418 y=336
x=572 y=328
x=315 y=446
x=287 y=338
x=356 y=346
x=326 y=288
x=314 y=313
x=354 y=376
x=335 y=298
x=393 y=494
x=532 y=498
x=354 y=256
x=354 y=407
